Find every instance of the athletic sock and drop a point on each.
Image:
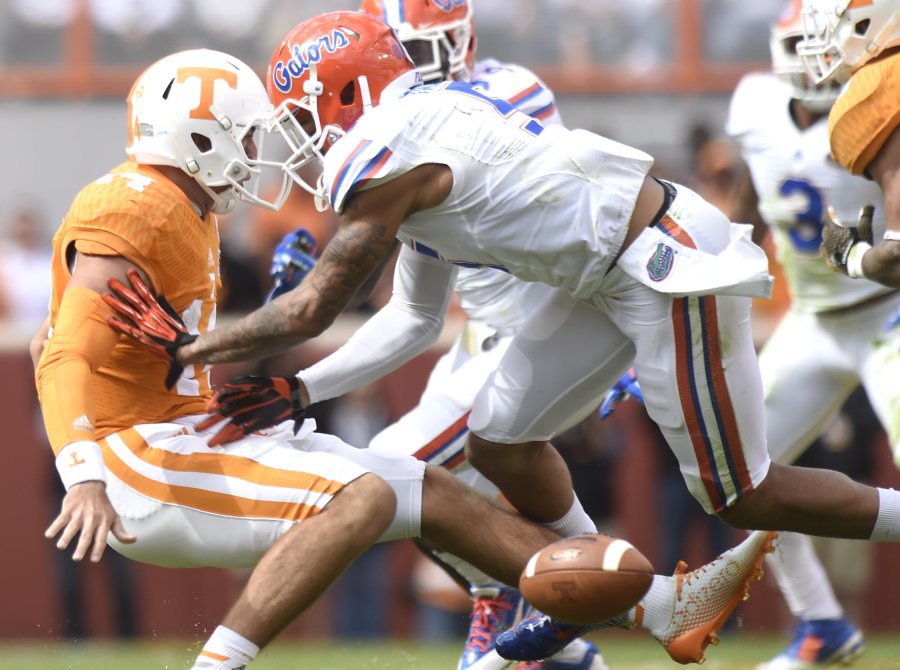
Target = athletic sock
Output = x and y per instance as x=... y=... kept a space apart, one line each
x=802 y=578
x=225 y=650
x=656 y=606
x=574 y=521
x=887 y=523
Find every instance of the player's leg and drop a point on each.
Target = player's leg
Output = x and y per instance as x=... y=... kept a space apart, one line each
x=808 y=370
x=309 y=557
x=299 y=516
x=435 y=431
x=879 y=370
x=436 y=506
x=552 y=376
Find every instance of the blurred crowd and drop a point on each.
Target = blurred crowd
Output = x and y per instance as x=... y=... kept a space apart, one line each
x=640 y=34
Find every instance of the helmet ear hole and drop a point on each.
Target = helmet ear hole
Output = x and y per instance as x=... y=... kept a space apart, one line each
x=202 y=142
x=348 y=93
x=862 y=27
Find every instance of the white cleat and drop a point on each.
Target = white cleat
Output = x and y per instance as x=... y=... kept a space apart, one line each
x=704 y=598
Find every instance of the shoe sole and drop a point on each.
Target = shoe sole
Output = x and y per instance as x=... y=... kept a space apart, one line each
x=690 y=647
x=851 y=650
x=490 y=661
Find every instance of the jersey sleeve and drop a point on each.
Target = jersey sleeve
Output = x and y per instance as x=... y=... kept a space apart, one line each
x=520 y=87
x=367 y=160
x=407 y=325
x=752 y=91
x=103 y=239
x=865 y=114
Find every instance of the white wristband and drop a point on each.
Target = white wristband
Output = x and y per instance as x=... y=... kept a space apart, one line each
x=892 y=235
x=854 y=259
x=80 y=462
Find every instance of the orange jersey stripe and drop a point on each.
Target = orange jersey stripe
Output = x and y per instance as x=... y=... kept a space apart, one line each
x=734 y=451
x=518 y=97
x=668 y=226
x=217 y=463
x=684 y=366
x=224 y=504
x=214 y=656
x=441 y=440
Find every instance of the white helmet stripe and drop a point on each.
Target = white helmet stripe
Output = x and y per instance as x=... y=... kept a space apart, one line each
x=393 y=12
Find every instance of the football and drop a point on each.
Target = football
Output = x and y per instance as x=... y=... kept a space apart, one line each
x=587 y=578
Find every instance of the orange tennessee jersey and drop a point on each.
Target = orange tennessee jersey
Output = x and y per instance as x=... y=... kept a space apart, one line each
x=866 y=114
x=135 y=212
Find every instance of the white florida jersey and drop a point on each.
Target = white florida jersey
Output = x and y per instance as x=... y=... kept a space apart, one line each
x=796 y=180
x=493 y=296
x=543 y=203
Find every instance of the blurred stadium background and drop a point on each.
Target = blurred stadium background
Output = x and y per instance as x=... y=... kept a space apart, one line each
x=656 y=74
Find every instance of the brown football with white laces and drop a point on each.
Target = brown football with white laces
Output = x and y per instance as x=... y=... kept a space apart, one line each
x=586 y=578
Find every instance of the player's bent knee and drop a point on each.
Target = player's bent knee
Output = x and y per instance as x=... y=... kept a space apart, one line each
x=370 y=501
x=758 y=509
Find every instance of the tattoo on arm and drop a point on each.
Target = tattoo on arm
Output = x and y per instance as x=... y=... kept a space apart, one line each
x=309 y=309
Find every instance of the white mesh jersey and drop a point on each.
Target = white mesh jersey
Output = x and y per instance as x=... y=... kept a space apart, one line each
x=493 y=296
x=796 y=180
x=552 y=206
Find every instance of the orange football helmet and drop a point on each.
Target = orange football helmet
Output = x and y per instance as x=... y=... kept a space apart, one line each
x=438 y=34
x=325 y=74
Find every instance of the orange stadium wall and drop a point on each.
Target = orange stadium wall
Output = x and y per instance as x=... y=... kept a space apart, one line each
x=187 y=603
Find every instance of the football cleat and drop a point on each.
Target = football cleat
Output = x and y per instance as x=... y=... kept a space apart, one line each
x=819 y=642
x=579 y=655
x=538 y=637
x=494 y=609
x=702 y=600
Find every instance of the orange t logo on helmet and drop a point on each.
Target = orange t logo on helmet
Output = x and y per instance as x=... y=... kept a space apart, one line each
x=208 y=77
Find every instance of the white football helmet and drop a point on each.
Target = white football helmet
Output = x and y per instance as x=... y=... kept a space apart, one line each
x=438 y=34
x=786 y=34
x=204 y=112
x=840 y=36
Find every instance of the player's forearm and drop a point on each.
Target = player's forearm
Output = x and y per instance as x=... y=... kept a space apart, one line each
x=392 y=337
x=274 y=327
x=881 y=263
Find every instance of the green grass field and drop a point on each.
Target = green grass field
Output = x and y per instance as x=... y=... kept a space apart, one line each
x=622 y=652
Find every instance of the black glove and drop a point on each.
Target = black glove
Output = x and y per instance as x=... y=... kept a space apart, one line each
x=253 y=403
x=150 y=320
x=838 y=241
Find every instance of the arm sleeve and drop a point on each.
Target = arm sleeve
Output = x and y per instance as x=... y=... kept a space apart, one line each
x=81 y=341
x=409 y=323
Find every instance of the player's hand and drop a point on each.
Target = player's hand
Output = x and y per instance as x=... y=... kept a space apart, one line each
x=838 y=241
x=292 y=260
x=150 y=320
x=626 y=387
x=87 y=513
x=893 y=322
x=253 y=403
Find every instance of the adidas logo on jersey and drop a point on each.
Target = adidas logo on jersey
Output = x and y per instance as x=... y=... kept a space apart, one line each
x=83 y=423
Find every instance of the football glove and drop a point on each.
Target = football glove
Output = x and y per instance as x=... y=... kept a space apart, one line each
x=253 y=403
x=150 y=320
x=893 y=322
x=626 y=387
x=292 y=260
x=838 y=242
